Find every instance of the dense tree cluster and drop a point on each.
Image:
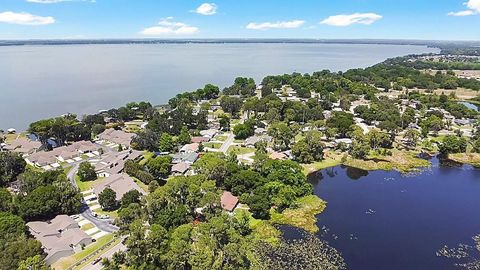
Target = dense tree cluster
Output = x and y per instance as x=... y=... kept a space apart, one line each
x=242 y=86
x=208 y=92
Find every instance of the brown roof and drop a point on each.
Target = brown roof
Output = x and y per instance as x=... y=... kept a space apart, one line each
x=120 y=183
x=116 y=136
x=228 y=201
x=278 y=155
x=200 y=139
x=181 y=167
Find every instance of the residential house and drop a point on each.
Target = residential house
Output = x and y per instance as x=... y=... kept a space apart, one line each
x=114 y=162
x=188 y=158
x=60 y=237
x=120 y=183
x=228 y=201
x=116 y=137
x=23 y=146
x=180 y=168
x=190 y=148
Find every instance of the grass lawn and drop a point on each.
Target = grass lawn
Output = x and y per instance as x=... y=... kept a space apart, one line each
x=240 y=150
x=212 y=145
x=12 y=137
x=238 y=141
x=87 y=184
x=146 y=157
x=401 y=161
x=262 y=229
x=141 y=184
x=221 y=138
x=71 y=260
x=105 y=248
x=87 y=227
x=303 y=216
x=316 y=166
x=466 y=158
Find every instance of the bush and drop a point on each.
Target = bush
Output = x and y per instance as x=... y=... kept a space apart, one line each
x=108 y=199
x=86 y=172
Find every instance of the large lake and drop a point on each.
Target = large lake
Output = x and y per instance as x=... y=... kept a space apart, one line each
x=44 y=81
x=386 y=220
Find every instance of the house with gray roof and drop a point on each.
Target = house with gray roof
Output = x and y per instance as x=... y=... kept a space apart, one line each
x=60 y=237
x=120 y=183
x=188 y=158
x=114 y=162
x=117 y=137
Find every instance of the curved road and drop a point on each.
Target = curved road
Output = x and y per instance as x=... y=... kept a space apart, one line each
x=102 y=224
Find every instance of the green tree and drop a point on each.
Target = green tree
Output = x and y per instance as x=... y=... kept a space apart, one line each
x=11 y=165
x=412 y=136
x=360 y=149
x=6 y=201
x=86 y=172
x=453 y=144
x=132 y=196
x=282 y=134
x=160 y=166
x=243 y=131
x=341 y=121
x=108 y=199
x=166 y=143
x=184 y=136
x=33 y=263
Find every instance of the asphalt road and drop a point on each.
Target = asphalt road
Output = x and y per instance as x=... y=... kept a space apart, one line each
x=102 y=224
x=118 y=247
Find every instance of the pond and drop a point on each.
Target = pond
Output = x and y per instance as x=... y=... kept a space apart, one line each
x=471 y=106
x=386 y=220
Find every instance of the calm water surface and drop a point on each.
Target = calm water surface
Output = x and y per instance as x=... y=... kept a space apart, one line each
x=386 y=220
x=44 y=81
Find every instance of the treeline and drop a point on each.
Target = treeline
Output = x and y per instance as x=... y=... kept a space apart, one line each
x=40 y=196
x=182 y=225
x=395 y=74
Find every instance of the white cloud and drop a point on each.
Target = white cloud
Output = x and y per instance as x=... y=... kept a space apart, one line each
x=356 y=18
x=24 y=18
x=168 y=27
x=474 y=5
x=275 y=25
x=473 y=9
x=58 y=1
x=462 y=13
x=207 y=9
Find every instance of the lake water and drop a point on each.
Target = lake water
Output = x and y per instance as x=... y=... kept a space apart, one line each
x=386 y=220
x=44 y=81
x=471 y=106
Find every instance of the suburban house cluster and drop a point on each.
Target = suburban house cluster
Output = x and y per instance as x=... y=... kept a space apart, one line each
x=60 y=237
x=69 y=154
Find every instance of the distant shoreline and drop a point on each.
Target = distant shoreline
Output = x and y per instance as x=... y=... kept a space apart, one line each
x=429 y=43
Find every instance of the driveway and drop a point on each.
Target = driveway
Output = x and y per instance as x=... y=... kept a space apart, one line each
x=102 y=224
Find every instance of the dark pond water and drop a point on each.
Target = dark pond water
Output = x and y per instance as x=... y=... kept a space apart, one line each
x=471 y=106
x=386 y=220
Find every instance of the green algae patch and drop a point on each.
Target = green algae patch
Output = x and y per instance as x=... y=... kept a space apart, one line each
x=303 y=216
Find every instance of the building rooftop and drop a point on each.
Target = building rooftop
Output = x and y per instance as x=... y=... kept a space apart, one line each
x=120 y=183
x=228 y=201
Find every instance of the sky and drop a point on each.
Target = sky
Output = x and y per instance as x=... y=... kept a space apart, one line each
x=324 y=19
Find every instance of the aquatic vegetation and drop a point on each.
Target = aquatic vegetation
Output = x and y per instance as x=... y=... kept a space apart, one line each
x=309 y=253
x=469 y=255
x=304 y=216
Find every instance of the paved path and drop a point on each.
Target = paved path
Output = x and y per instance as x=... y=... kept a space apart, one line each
x=108 y=254
x=231 y=137
x=102 y=224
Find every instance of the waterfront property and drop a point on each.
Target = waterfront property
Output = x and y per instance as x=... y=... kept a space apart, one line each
x=116 y=137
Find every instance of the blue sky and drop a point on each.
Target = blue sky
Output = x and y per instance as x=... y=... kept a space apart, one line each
x=386 y=19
